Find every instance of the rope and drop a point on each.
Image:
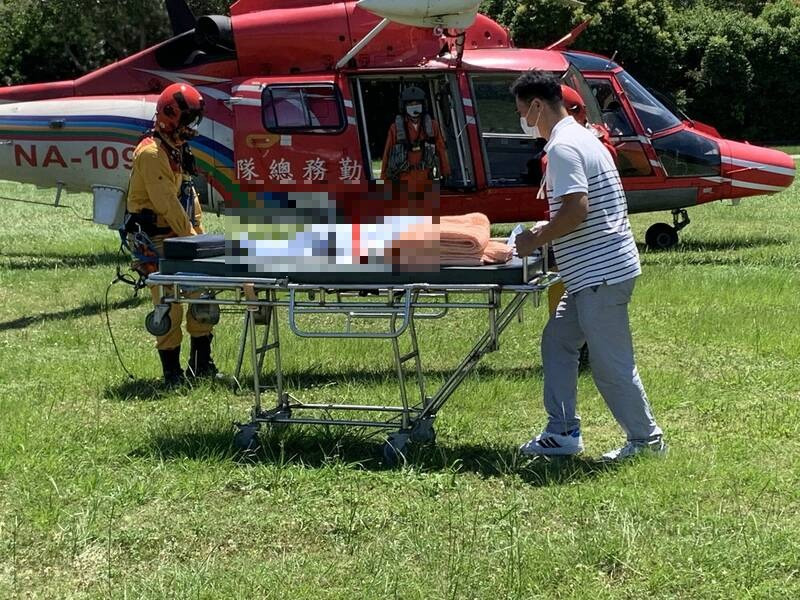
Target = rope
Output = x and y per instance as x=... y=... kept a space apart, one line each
x=108 y=324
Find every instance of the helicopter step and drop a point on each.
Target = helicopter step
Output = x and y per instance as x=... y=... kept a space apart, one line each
x=662 y=236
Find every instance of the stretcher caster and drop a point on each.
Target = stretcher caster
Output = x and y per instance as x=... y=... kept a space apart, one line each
x=395 y=449
x=158 y=321
x=246 y=438
x=208 y=314
x=422 y=432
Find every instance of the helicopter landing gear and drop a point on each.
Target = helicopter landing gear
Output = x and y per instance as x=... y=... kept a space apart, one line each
x=662 y=236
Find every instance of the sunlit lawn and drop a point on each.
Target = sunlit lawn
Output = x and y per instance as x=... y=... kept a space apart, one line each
x=109 y=487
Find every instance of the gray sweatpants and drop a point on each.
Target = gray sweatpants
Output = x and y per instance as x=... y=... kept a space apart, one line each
x=597 y=316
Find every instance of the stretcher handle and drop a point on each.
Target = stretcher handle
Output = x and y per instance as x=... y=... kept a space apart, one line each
x=404 y=311
x=545 y=259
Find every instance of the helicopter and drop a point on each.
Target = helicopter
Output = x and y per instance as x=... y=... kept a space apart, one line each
x=300 y=95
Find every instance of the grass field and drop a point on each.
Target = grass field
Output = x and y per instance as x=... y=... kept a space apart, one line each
x=110 y=488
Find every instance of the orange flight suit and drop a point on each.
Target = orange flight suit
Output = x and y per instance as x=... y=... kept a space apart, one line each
x=415 y=178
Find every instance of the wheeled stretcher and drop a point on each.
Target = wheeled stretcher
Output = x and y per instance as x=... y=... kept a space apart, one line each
x=362 y=306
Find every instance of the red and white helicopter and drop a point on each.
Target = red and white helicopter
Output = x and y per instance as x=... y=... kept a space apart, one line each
x=301 y=93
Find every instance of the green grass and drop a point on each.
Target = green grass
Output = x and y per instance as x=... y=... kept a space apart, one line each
x=111 y=488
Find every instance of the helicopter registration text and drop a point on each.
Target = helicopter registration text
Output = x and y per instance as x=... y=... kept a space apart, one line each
x=96 y=157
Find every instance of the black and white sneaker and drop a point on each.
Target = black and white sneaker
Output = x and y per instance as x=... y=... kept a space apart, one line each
x=554 y=444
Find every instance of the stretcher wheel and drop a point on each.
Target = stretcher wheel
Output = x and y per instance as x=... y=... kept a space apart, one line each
x=207 y=314
x=661 y=237
x=246 y=438
x=394 y=450
x=423 y=432
x=157 y=328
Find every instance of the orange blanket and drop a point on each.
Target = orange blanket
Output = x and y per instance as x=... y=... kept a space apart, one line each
x=455 y=241
x=464 y=235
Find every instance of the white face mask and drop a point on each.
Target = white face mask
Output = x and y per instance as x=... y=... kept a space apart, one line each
x=414 y=110
x=531 y=130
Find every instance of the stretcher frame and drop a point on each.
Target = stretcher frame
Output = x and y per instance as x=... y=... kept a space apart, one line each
x=400 y=306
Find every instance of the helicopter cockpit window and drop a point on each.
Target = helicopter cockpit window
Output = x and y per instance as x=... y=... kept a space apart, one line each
x=308 y=108
x=653 y=115
x=614 y=117
x=686 y=154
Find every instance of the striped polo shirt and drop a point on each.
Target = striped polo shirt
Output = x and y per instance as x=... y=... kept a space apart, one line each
x=601 y=249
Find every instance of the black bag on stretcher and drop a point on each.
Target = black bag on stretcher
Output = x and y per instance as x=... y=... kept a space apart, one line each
x=191 y=247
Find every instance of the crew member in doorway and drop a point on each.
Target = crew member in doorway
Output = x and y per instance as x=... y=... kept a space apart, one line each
x=415 y=152
x=163 y=203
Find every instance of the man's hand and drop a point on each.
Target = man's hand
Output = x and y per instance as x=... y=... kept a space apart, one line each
x=528 y=242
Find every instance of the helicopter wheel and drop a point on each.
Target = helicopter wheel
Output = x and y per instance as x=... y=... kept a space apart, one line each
x=661 y=237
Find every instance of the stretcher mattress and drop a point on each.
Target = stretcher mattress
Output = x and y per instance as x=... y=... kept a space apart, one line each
x=510 y=273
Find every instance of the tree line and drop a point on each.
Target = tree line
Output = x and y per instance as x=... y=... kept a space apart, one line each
x=731 y=63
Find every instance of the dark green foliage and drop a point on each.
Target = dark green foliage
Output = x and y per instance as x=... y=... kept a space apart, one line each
x=45 y=40
x=724 y=61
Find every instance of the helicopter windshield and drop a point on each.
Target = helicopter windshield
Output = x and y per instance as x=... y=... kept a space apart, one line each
x=653 y=114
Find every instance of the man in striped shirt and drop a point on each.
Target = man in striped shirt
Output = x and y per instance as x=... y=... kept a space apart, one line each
x=598 y=262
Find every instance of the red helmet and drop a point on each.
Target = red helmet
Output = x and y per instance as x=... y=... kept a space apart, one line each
x=179 y=110
x=574 y=103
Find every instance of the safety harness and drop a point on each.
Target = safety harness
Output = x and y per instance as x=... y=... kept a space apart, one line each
x=138 y=229
x=398 y=155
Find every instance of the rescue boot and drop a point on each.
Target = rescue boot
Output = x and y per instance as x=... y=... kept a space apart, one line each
x=171 y=365
x=200 y=362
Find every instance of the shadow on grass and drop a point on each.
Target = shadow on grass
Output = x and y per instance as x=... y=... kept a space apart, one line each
x=132 y=390
x=316 y=448
x=85 y=310
x=137 y=389
x=718 y=245
x=28 y=261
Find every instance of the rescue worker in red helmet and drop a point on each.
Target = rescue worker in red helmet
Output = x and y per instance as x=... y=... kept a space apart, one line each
x=415 y=152
x=163 y=203
x=576 y=107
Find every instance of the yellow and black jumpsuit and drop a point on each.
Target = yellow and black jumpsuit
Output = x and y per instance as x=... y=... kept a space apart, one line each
x=156 y=181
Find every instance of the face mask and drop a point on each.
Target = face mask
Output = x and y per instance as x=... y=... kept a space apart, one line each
x=533 y=130
x=414 y=110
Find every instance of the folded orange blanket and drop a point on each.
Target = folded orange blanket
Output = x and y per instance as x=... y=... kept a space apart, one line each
x=464 y=235
x=455 y=241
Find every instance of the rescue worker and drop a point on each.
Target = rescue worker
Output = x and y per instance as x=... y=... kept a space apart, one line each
x=163 y=203
x=415 y=152
x=577 y=109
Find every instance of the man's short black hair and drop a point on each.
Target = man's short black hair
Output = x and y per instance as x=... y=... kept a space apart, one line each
x=537 y=84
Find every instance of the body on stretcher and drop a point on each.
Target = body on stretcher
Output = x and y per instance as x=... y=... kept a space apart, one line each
x=397 y=302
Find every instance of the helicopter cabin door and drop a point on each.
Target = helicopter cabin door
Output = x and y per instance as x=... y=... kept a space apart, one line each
x=635 y=154
x=294 y=133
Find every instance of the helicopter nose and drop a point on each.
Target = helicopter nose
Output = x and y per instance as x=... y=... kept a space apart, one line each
x=754 y=171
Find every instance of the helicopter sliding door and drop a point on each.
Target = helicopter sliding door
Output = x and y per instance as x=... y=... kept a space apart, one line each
x=377 y=101
x=512 y=158
x=633 y=158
